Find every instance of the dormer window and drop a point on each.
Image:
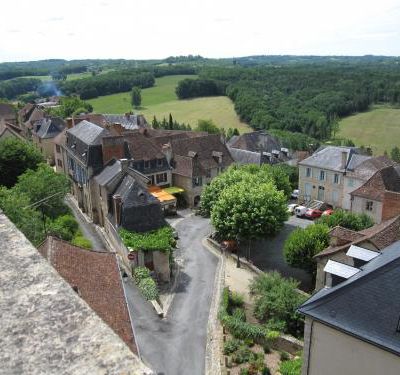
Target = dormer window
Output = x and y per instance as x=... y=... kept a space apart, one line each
x=146 y=164
x=159 y=162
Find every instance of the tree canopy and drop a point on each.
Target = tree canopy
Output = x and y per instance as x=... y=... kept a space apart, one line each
x=136 y=97
x=346 y=219
x=16 y=156
x=207 y=126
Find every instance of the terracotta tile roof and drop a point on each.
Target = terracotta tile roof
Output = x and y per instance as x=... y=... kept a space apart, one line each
x=142 y=148
x=96 y=277
x=386 y=179
x=368 y=167
x=344 y=235
x=380 y=235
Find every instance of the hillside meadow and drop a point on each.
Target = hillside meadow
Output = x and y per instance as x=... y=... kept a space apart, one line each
x=378 y=128
x=161 y=100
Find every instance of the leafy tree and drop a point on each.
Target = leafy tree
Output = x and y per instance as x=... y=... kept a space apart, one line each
x=302 y=244
x=16 y=156
x=249 y=211
x=395 y=154
x=69 y=105
x=347 y=220
x=25 y=218
x=207 y=126
x=170 y=122
x=277 y=299
x=136 y=97
x=64 y=227
x=41 y=184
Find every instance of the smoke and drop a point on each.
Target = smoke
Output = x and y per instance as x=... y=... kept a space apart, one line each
x=49 y=88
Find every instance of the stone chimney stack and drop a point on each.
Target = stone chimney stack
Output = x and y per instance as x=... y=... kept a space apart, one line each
x=124 y=164
x=118 y=128
x=344 y=159
x=70 y=122
x=117 y=202
x=167 y=151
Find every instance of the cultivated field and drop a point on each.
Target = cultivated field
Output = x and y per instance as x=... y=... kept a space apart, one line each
x=161 y=100
x=378 y=128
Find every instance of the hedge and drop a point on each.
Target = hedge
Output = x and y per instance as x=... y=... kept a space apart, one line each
x=149 y=289
x=292 y=367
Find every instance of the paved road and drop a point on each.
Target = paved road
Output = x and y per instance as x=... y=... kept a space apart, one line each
x=176 y=344
x=267 y=254
x=87 y=228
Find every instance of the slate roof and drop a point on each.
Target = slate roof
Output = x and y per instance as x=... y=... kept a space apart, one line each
x=200 y=149
x=245 y=157
x=46 y=328
x=49 y=127
x=128 y=121
x=255 y=142
x=7 y=111
x=112 y=170
x=88 y=132
x=34 y=116
x=330 y=157
x=367 y=167
x=24 y=112
x=380 y=235
x=97 y=277
x=367 y=305
x=384 y=180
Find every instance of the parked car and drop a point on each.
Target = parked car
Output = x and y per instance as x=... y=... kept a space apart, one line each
x=327 y=212
x=313 y=213
x=300 y=211
x=291 y=207
x=295 y=194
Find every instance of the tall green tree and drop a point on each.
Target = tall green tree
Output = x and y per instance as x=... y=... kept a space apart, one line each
x=207 y=126
x=395 y=154
x=136 y=97
x=41 y=184
x=16 y=156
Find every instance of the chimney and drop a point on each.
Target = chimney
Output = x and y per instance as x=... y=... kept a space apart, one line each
x=124 y=164
x=285 y=151
x=70 y=122
x=167 y=151
x=344 y=160
x=118 y=128
x=117 y=202
x=127 y=115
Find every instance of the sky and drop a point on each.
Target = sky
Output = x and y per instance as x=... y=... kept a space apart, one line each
x=152 y=29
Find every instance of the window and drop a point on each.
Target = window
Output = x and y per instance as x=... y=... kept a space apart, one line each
x=147 y=164
x=322 y=175
x=159 y=162
x=58 y=148
x=308 y=172
x=336 y=178
x=350 y=182
x=59 y=163
x=369 y=205
x=208 y=173
x=197 y=181
x=335 y=196
x=162 y=177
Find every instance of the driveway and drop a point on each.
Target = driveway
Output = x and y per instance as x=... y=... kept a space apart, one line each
x=176 y=344
x=267 y=254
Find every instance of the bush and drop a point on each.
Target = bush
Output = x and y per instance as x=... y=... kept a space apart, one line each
x=64 y=227
x=140 y=273
x=236 y=299
x=292 y=367
x=239 y=313
x=277 y=298
x=302 y=244
x=148 y=288
x=284 y=356
x=81 y=241
x=242 y=355
x=347 y=220
x=231 y=346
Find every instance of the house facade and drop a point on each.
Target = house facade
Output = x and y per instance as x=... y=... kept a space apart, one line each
x=353 y=326
x=27 y=116
x=7 y=114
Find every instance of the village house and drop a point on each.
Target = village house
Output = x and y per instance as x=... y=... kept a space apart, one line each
x=257 y=148
x=48 y=321
x=367 y=242
x=59 y=152
x=43 y=133
x=27 y=116
x=96 y=277
x=8 y=130
x=7 y=114
x=379 y=197
x=353 y=326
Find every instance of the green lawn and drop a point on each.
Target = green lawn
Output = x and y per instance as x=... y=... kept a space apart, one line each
x=378 y=128
x=161 y=100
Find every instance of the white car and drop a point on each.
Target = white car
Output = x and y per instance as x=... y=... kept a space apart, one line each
x=291 y=207
x=295 y=194
x=300 y=211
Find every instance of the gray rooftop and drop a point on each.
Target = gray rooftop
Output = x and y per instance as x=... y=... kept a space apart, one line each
x=46 y=328
x=367 y=305
x=330 y=157
x=88 y=132
x=110 y=171
x=245 y=157
x=49 y=127
x=128 y=121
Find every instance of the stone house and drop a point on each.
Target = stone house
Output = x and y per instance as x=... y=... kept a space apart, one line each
x=124 y=202
x=7 y=114
x=321 y=176
x=27 y=116
x=59 y=152
x=379 y=197
x=8 y=130
x=43 y=133
x=374 y=239
x=353 y=327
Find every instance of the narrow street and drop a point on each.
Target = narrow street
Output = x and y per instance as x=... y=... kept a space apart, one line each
x=176 y=344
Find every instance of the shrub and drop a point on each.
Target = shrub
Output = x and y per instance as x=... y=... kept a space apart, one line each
x=347 y=220
x=284 y=356
x=292 y=367
x=81 y=241
x=239 y=313
x=242 y=355
x=277 y=298
x=302 y=244
x=140 y=273
x=148 y=288
x=64 y=227
x=236 y=299
x=231 y=346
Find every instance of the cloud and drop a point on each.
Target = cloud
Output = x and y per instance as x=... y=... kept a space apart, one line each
x=54 y=19
x=14 y=31
x=222 y=19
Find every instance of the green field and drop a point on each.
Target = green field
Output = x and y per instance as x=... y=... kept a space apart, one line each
x=161 y=100
x=378 y=128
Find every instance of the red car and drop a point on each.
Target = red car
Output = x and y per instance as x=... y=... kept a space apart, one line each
x=312 y=213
